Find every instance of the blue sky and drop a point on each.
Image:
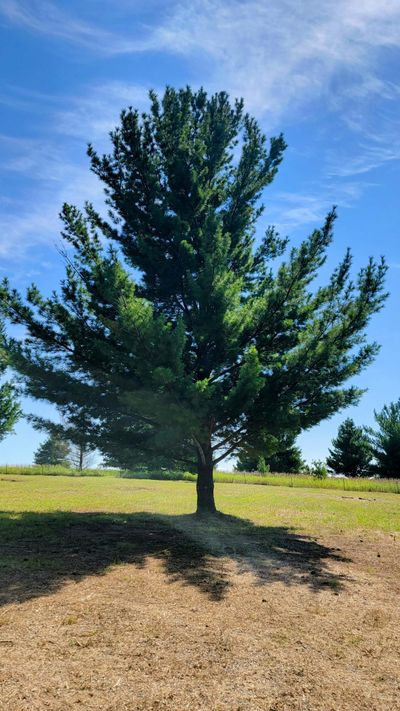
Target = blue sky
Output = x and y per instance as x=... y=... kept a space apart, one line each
x=324 y=72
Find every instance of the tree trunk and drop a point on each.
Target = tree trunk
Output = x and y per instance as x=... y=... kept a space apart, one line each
x=205 y=486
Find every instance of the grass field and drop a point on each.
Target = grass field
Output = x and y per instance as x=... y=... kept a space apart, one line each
x=113 y=596
x=292 y=480
x=304 y=509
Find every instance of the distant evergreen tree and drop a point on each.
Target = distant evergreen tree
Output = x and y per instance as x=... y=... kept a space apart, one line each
x=246 y=462
x=75 y=429
x=286 y=459
x=53 y=451
x=262 y=466
x=386 y=442
x=9 y=407
x=81 y=456
x=214 y=347
x=351 y=451
x=318 y=469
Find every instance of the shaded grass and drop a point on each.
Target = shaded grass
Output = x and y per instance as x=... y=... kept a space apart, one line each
x=56 y=529
x=40 y=552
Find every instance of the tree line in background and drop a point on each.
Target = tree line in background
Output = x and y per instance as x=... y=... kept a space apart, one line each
x=361 y=451
x=57 y=451
x=174 y=338
x=356 y=451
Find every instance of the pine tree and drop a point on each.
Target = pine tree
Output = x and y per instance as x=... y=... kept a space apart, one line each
x=53 y=451
x=74 y=428
x=351 y=451
x=386 y=441
x=283 y=457
x=9 y=408
x=289 y=461
x=212 y=346
x=81 y=456
x=139 y=459
x=76 y=431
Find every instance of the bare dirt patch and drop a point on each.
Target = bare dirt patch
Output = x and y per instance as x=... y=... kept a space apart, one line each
x=143 y=612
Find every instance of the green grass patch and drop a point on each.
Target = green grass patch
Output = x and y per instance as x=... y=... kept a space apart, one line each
x=290 y=480
x=49 y=470
x=391 y=486
x=305 y=509
x=308 y=482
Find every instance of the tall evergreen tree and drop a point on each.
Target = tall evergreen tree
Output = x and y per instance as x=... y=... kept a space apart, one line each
x=351 y=451
x=212 y=347
x=386 y=441
x=9 y=408
x=53 y=451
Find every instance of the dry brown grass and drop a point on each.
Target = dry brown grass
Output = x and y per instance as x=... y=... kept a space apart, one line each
x=265 y=620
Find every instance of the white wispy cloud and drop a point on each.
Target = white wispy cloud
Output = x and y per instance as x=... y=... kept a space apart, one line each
x=282 y=52
x=32 y=219
x=366 y=159
x=93 y=115
x=271 y=52
x=376 y=138
x=55 y=169
x=308 y=208
x=42 y=160
x=47 y=19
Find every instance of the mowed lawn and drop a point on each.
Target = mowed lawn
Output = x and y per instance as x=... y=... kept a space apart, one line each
x=309 y=510
x=114 y=596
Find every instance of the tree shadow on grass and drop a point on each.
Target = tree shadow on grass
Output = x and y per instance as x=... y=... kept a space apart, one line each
x=39 y=552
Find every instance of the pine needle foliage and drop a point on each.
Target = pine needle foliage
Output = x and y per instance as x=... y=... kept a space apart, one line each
x=386 y=441
x=53 y=451
x=351 y=452
x=9 y=407
x=284 y=457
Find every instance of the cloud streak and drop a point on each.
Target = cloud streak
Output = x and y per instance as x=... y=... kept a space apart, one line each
x=46 y=18
x=279 y=54
x=49 y=179
x=95 y=114
x=292 y=210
